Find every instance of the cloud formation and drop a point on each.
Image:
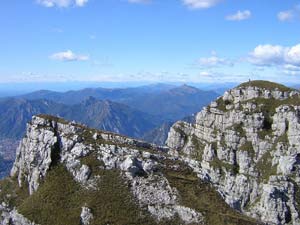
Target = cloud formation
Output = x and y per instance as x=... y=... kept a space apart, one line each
x=214 y=61
x=285 y=15
x=239 y=15
x=276 y=55
x=62 y=3
x=200 y=4
x=68 y=56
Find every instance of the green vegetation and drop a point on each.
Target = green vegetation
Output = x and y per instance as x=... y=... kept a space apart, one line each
x=283 y=139
x=222 y=104
x=199 y=148
x=53 y=118
x=297 y=195
x=214 y=146
x=215 y=131
x=202 y=197
x=92 y=162
x=248 y=147
x=59 y=200
x=11 y=193
x=269 y=105
x=239 y=129
x=264 y=167
x=219 y=164
x=223 y=142
x=266 y=85
x=268 y=112
x=263 y=133
x=248 y=205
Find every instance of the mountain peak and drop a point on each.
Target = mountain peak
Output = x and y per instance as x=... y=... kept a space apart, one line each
x=267 y=85
x=248 y=138
x=185 y=89
x=257 y=92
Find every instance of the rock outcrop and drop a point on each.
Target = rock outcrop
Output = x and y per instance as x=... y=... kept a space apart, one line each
x=11 y=216
x=50 y=142
x=247 y=144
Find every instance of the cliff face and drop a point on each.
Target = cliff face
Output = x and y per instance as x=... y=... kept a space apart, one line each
x=66 y=173
x=247 y=144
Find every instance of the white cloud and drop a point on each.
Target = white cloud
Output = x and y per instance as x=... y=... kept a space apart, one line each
x=81 y=2
x=239 y=15
x=291 y=68
x=293 y=55
x=214 y=61
x=206 y=74
x=62 y=3
x=68 y=56
x=267 y=55
x=200 y=4
x=276 y=55
x=285 y=15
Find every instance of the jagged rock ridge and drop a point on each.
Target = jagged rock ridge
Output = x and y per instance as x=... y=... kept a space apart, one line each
x=66 y=173
x=247 y=144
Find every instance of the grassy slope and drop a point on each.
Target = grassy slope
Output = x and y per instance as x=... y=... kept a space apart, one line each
x=202 y=197
x=59 y=199
x=266 y=85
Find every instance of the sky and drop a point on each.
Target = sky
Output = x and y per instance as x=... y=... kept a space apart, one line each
x=208 y=41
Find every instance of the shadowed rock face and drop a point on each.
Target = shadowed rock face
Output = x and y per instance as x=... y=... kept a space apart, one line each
x=247 y=144
x=64 y=162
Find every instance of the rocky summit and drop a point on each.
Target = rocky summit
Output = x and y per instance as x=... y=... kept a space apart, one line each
x=238 y=163
x=247 y=145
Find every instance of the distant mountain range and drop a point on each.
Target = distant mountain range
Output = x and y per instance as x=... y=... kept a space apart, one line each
x=113 y=94
x=165 y=101
x=129 y=111
x=15 y=113
x=101 y=114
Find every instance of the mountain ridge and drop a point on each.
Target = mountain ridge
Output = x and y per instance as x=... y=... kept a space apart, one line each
x=14 y=113
x=137 y=182
x=171 y=103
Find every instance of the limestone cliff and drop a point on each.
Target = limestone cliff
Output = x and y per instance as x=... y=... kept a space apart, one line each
x=247 y=144
x=67 y=173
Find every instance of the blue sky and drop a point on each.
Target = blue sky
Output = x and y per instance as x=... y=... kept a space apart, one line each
x=149 y=40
